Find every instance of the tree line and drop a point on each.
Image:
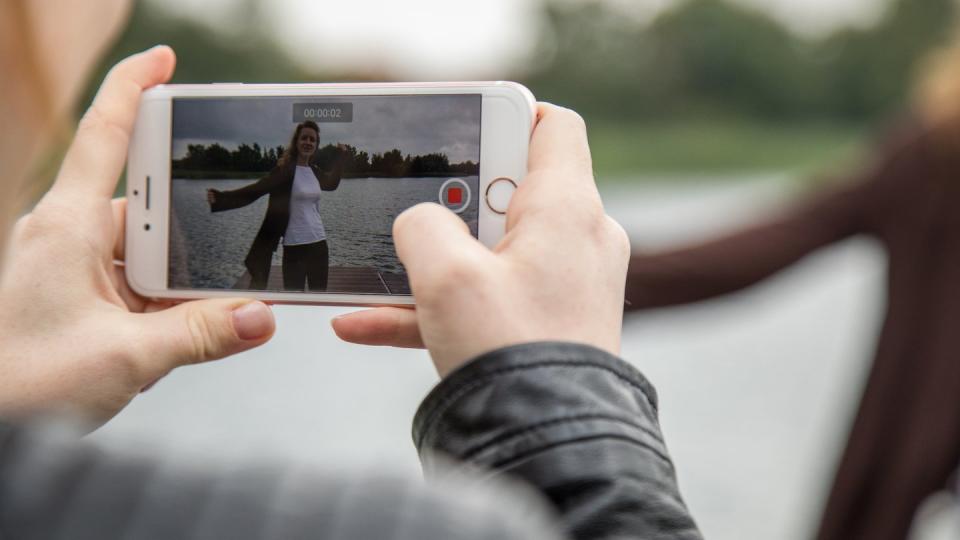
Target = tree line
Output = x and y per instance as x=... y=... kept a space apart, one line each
x=717 y=57
x=698 y=58
x=253 y=158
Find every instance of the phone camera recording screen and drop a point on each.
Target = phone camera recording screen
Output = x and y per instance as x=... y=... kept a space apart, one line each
x=299 y=194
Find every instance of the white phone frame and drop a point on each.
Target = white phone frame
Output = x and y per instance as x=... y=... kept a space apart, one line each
x=508 y=115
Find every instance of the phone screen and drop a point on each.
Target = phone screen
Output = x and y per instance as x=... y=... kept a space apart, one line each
x=300 y=193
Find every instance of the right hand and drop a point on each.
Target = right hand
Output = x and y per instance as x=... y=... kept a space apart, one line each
x=558 y=274
x=211 y=197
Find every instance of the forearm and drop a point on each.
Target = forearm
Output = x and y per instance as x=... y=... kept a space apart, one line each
x=711 y=269
x=739 y=260
x=331 y=179
x=238 y=198
x=576 y=423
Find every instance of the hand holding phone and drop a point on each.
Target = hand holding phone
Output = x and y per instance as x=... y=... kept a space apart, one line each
x=73 y=334
x=557 y=274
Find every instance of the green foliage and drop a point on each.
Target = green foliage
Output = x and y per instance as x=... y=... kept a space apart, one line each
x=723 y=57
x=247 y=158
x=703 y=148
x=869 y=72
x=708 y=85
x=204 y=54
x=714 y=58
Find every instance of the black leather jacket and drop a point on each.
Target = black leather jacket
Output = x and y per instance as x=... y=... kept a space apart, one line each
x=537 y=441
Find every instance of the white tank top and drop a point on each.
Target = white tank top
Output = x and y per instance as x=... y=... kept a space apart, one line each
x=305 y=225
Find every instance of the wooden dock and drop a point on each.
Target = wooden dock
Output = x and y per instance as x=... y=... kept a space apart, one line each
x=343 y=279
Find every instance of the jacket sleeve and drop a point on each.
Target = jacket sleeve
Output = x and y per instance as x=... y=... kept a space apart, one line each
x=53 y=485
x=575 y=423
x=744 y=258
x=330 y=180
x=236 y=198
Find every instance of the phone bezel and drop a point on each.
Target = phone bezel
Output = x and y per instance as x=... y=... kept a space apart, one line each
x=508 y=112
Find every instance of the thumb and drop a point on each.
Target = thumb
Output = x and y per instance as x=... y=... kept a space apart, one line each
x=203 y=330
x=431 y=240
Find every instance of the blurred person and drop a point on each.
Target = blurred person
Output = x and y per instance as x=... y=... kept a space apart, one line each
x=294 y=187
x=905 y=441
x=531 y=385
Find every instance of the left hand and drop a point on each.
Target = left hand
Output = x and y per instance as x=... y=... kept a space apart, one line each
x=74 y=335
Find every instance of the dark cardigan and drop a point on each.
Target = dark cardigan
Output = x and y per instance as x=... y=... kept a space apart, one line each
x=277 y=185
x=905 y=441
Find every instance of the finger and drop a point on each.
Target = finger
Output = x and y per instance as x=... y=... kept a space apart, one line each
x=119 y=207
x=95 y=159
x=559 y=142
x=430 y=238
x=203 y=330
x=395 y=327
x=560 y=175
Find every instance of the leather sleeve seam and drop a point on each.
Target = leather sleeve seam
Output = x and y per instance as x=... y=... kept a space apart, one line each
x=509 y=461
x=514 y=434
x=458 y=392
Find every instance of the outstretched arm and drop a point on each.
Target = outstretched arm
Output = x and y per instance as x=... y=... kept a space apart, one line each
x=742 y=259
x=731 y=263
x=236 y=198
x=330 y=180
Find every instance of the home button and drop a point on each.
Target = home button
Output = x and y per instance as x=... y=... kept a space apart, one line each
x=498 y=194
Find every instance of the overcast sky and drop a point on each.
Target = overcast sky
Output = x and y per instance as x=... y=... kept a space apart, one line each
x=415 y=124
x=451 y=39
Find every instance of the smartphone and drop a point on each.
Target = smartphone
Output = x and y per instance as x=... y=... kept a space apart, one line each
x=288 y=193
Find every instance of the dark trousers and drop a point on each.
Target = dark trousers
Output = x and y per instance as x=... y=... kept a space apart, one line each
x=305 y=267
x=259 y=282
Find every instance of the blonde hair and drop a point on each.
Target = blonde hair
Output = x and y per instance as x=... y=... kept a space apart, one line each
x=28 y=105
x=938 y=92
x=21 y=62
x=292 y=152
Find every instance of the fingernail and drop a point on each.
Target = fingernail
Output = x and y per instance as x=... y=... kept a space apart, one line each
x=253 y=321
x=341 y=317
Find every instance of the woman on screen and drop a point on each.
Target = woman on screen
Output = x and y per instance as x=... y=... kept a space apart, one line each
x=295 y=186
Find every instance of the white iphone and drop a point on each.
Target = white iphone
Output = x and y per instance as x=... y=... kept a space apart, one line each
x=288 y=193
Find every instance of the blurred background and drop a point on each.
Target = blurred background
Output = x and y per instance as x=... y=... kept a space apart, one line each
x=704 y=115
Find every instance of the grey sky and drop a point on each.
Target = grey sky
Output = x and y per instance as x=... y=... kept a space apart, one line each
x=414 y=124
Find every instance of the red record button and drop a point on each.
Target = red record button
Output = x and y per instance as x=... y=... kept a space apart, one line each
x=455 y=195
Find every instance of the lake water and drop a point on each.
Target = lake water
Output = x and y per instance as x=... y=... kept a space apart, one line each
x=207 y=249
x=757 y=389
